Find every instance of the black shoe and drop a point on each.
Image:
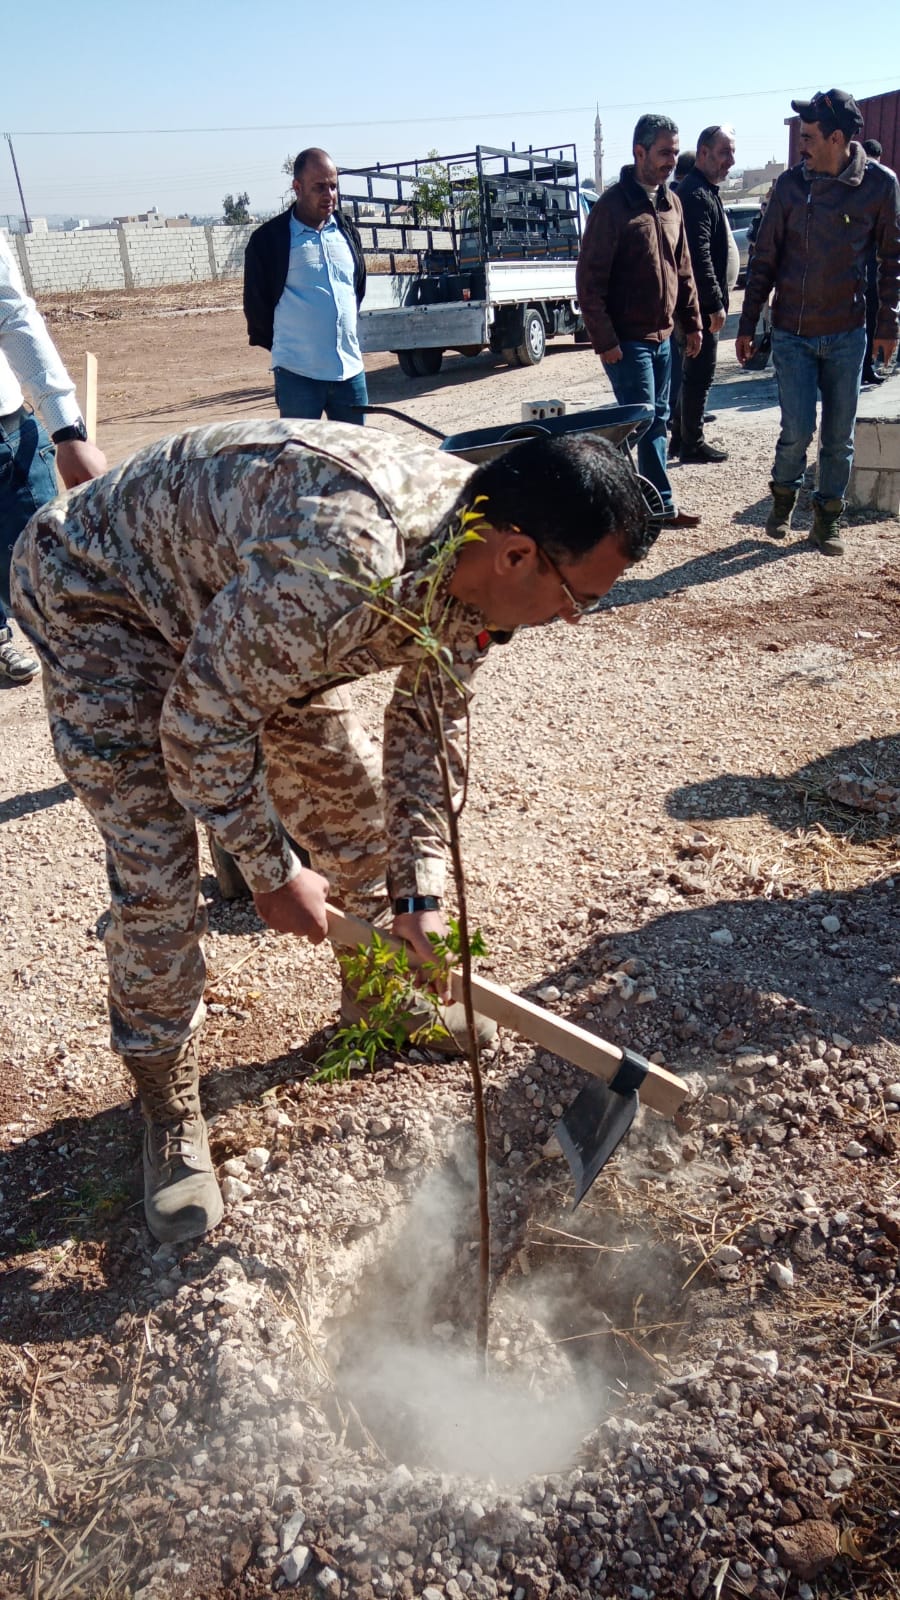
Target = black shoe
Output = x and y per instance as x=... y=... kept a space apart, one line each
x=710 y=416
x=674 y=448
x=703 y=452
x=871 y=376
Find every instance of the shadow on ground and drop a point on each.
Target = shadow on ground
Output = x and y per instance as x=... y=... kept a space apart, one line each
x=33 y=800
x=799 y=799
x=713 y=566
x=77 y=1188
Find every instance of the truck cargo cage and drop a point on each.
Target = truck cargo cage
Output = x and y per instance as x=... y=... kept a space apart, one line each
x=447 y=214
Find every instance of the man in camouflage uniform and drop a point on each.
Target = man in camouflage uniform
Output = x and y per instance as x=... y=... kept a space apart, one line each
x=199 y=612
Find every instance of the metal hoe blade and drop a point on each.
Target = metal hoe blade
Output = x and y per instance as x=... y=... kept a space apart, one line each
x=598 y=1120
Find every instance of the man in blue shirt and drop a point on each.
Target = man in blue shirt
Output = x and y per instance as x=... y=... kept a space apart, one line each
x=304 y=279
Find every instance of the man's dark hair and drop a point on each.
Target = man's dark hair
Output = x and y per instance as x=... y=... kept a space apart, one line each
x=566 y=494
x=873 y=148
x=650 y=126
x=313 y=153
x=684 y=164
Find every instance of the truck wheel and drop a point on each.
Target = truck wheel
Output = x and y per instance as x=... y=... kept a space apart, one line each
x=531 y=351
x=427 y=362
x=406 y=359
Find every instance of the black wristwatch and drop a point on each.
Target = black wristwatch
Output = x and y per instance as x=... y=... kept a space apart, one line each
x=416 y=902
x=75 y=430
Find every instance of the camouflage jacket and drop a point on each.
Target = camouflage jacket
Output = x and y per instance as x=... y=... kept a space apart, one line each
x=251 y=548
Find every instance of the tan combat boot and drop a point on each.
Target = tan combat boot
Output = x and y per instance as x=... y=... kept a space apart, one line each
x=181 y=1193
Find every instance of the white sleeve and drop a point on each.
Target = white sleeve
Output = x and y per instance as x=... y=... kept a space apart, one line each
x=30 y=351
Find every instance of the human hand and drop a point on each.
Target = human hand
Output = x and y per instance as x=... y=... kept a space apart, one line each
x=610 y=357
x=717 y=321
x=79 y=461
x=693 y=344
x=744 y=348
x=297 y=907
x=884 y=351
x=413 y=927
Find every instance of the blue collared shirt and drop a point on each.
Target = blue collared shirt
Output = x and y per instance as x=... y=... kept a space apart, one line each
x=315 y=319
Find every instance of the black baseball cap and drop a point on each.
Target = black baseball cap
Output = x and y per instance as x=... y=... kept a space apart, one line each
x=833 y=108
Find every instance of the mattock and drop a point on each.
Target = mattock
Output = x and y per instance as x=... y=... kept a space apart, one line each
x=601 y=1115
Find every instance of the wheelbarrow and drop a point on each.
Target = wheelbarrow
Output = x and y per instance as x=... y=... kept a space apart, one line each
x=621 y=426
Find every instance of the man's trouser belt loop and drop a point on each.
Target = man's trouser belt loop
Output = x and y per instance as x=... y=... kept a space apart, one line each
x=12 y=422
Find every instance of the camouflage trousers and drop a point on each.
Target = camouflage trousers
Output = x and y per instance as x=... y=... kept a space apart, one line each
x=323 y=775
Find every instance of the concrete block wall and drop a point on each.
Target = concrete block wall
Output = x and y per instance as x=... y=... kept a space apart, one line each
x=80 y=262
x=227 y=246
x=166 y=255
x=130 y=257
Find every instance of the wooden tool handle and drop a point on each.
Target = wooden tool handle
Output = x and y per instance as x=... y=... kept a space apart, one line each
x=660 y=1089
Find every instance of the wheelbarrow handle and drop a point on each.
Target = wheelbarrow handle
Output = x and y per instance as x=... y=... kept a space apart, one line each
x=390 y=411
x=660 y=1089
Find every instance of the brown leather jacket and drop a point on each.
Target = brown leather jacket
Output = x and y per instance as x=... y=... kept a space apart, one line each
x=812 y=247
x=634 y=268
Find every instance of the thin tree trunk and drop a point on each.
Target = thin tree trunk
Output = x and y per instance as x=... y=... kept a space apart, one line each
x=481 y=1142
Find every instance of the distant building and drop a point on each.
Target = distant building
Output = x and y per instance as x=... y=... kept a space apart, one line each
x=761 y=177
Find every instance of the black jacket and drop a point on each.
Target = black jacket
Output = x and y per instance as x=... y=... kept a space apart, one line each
x=706 y=226
x=266 y=261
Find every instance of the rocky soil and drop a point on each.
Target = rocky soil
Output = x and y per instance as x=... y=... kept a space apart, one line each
x=682 y=833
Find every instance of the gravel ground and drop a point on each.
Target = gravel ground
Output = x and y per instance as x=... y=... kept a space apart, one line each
x=682 y=833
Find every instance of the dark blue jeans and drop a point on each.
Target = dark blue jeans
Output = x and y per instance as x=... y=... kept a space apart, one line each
x=309 y=397
x=642 y=378
x=27 y=482
x=806 y=368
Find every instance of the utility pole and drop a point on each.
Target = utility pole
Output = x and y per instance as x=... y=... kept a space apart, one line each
x=8 y=138
x=598 y=153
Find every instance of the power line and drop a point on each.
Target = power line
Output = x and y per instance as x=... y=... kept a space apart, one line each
x=405 y=122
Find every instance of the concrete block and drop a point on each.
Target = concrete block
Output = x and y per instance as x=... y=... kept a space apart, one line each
x=871 y=489
x=536 y=410
x=877 y=443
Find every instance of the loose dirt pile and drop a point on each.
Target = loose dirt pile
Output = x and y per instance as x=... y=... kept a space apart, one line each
x=683 y=834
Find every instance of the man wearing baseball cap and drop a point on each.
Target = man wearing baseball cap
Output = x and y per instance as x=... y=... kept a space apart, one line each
x=824 y=216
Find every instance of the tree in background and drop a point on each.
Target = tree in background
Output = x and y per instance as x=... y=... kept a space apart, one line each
x=236 y=211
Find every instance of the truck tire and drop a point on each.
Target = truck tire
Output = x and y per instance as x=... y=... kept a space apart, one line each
x=534 y=341
x=406 y=359
x=427 y=362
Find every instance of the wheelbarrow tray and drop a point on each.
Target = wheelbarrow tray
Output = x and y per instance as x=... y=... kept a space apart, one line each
x=614 y=423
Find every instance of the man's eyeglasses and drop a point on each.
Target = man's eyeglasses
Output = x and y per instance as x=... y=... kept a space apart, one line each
x=578 y=608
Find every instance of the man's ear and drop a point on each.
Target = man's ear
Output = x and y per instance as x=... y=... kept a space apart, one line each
x=513 y=550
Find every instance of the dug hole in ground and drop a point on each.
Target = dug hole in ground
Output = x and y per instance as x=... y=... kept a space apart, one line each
x=682 y=833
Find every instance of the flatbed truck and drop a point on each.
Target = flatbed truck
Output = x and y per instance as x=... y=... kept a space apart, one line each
x=493 y=268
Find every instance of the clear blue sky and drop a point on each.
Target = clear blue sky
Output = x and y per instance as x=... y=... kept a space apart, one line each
x=389 y=81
